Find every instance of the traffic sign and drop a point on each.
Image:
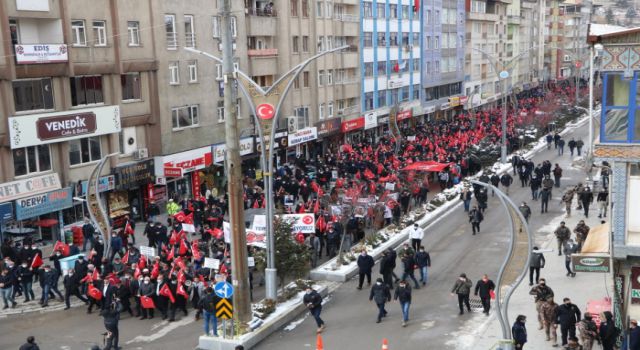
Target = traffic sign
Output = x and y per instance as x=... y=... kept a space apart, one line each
x=224 y=309
x=265 y=111
x=504 y=74
x=223 y=289
x=578 y=64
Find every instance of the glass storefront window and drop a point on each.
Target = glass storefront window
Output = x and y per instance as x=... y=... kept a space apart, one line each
x=616 y=124
x=617 y=90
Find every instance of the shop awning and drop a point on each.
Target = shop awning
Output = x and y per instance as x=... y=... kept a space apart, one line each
x=594 y=256
x=46 y=222
x=428 y=165
x=598 y=240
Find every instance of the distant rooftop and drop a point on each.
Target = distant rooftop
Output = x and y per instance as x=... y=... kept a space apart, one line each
x=601 y=31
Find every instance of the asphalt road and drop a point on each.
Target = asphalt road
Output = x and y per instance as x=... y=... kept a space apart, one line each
x=350 y=317
x=434 y=319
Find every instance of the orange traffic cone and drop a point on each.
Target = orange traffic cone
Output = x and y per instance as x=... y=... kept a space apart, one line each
x=319 y=345
x=385 y=344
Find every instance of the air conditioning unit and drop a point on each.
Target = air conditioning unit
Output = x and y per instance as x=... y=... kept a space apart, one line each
x=292 y=124
x=141 y=153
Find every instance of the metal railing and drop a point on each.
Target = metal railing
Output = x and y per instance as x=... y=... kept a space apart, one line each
x=172 y=40
x=190 y=40
x=262 y=12
x=346 y=17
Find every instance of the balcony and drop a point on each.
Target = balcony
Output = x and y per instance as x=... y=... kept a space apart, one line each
x=513 y=19
x=489 y=17
x=262 y=52
x=261 y=25
x=261 y=12
x=349 y=110
x=349 y=59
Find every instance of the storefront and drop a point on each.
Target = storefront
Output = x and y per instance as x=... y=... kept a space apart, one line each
x=6 y=216
x=133 y=182
x=299 y=142
x=328 y=134
x=177 y=172
x=215 y=177
x=280 y=145
x=41 y=217
x=352 y=130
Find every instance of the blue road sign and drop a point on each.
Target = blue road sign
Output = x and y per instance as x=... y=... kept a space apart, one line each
x=223 y=289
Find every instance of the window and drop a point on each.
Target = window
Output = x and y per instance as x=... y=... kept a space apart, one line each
x=303 y=116
x=428 y=42
x=130 y=83
x=368 y=69
x=305 y=8
x=32 y=159
x=382 y=98
x=329 y=42
x=170 y=31
x=189 y=31
x=367 y=9
x=305 y=79
x=368 y=39
x=380 y=10
x=437 y=67
x=321 y=44
x=382 y=40
x=393 y=39
x=174 y=72
x=320 y=78
x=405 y=12
x=86 y=90
x=220 y=111
x=393 y=11
x=428 y=19
x=368 y=101
x=294 y=8
x=296 y=83
x=436 y=44
x=329 y=77
x=215 y=21
x=567 y=58
x=99 y=33
x=79 y=33
x=321 y=111
x=437 y=18
x=405 y=39
x=319 y=8
x=33 y=94
x=478 y=6
x=305 y=44
x=416 y=39
x=330 y=109
x=294 y=47
x=85 y=150
x=186 y=116
x=382 y=67
x=193 y=71
x=621 y=102
x=133 y=31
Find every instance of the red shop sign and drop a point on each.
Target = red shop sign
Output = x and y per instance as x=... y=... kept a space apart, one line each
x=354 y=124
x=405 y=114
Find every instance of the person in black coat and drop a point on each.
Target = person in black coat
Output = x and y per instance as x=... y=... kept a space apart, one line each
x=109 y=293
x=506 y=180
x=25 y=278
x=111 y=315
x=608 y=331
x=49 y=282
x=519 y=332
x=483 y=289
x=88 y=234
x=313 y=301
x=365 y=264
x=71 y=287
x=567 y=315
x=381 y=294
x=385 y=268
x=409 y=264
x=403 y=295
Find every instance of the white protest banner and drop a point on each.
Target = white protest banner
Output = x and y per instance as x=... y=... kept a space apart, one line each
x=255 y=236
x=288 y=200
x=336 y=210
x=226 y=228
x=259 y=223
x=411 y=138
x=251 y=262
x=305 y=223
x=211 y=263
x=147 y=251
x=334 y=174
x=389 y=186
x=360 y=212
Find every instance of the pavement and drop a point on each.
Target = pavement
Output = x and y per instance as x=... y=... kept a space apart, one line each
x=434 y=319
x=350 y=317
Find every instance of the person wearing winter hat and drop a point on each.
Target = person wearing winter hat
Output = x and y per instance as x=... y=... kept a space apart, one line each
x=462 y=288
x=381 y=294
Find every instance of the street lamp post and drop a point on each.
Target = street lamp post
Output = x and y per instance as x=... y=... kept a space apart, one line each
x=266 y=105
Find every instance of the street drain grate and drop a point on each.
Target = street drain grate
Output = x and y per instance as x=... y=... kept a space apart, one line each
x=476 y=303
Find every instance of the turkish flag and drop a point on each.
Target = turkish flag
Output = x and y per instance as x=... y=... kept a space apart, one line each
x=184 y=248
x=180 y=263
x=155 y=271
x=217 y=233
x=147 y=303
x=95 y=274
x=256 y=205
x=128 y=229
x=316 y=207
x=179 y=216
x=61 y=247
x=136 y=273
x=188 y=219
x=182 y=291
x=166 y=292
x=171 y=253
x=195 y=251
x=142 y=263
x=125 y=258
x=321 y=224
x=36 y=262
x=174 y=237
x=181 y=277
x=94 y=292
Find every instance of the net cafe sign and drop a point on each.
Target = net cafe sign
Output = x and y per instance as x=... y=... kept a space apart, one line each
x=29 y=187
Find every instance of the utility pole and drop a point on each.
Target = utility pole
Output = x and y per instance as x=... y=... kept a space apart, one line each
x=239 y=269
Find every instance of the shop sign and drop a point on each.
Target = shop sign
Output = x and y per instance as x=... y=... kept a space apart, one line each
x=329 y=127
x=188 y=161
x=281 y=140
x=41 y=53
x=588 y=263
x=464 y=99
x=635 y=284
x=303 y=135
x=6 y=211
x=134 y=175
x=105 y=183
x=44 y=128
x=161 y=180
x=305 y=223
x=29 y=187
x=44 y=203
x=370 y=120
x=454 y=101
x=430 y=109
x=405 y=114
x=173 y=172
x=394 y=83
x=353 y=124
x=245 y=144
x=445 y=106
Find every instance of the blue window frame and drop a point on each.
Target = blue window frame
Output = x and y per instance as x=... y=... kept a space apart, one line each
x=620 y=119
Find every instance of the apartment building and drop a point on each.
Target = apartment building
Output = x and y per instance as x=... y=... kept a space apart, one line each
x=443 y=24
x=501 y=34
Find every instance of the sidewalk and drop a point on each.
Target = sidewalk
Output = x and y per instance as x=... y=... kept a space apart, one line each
x=580 y=289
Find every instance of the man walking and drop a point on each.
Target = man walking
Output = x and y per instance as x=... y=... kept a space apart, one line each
x=475 y=218
x=588 y=331
x=365 y=264
x=408 y=264
x=519 y=332
x=579 y=145
x=557 y=174
x=541 y=293
x=567 y=315
x=572 y=145
x=484 y=288
x=423 y=260
x=416 y=234
x=581 y=231
x=567 y=199
x=603 y=203
x=545 y=195
x=586 y=198
x=537 y=262
x=525 y=210
x=462 y=288
x=381 y=294
x=570 y=248
x=403 y=295
x=548 y=310
x=562 y=236
x=313 y=301
x=71 y=287
x=208 y=303
x=506 y=180
x=88 y=232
